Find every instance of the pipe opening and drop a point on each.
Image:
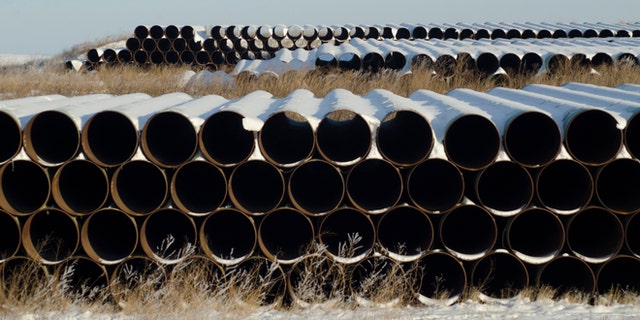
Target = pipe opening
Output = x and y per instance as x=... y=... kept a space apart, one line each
x=623 y=34
x=286 y=139
x=422 y=62
x=148 y=45
x=482 y=34
x=595 y=235
x=500 y=275
x=531 y=63
x=349 y=62
x=80 y=187
x=505 y=188
x=228 y=236
x=627 y=59
x=261 y=278
x=435 y=185
x=256 y=187
x=619 y=275
x=575 y=33
x=200 y=272
x=51 y=137
x=498 y=34
x=467 y=34
x=343 y=137
x=532 y=139
x=156 y=32
x=326 y=61
x=557 y=63
x=544 y=34
x=81 y=277
x=25 y=187
x=590 y=33
x=109 y=236
x=567 y=276
x=50 y=236
x=535 y=236
x=593 y=137
x=446 y=65
x=9 y=236
x=134 y=273
x=513 y=34
x=395 y=61
x=224 y=140
x=109 y=138
x=419 y=32
x=141 y=57
x=632 y=234
x=404 y=138
x=372 y=62
x=472 y=142
x=168 y=139
x=618 y=186
x=171 y=32
x=564 y=186
x=285 y=247
x=125 y=56
x=316 y=187
x=403 y=33
x=406 y=233
x=601 y=59
x=156 y=57
x=167 y=236
x=436 y=33
x=315 y=277
x=528 y=34
x=451 y=33
x=348 y=235
x=374 y=185
x=510 y=62
x=141 y=32
x=442 y=277
x=373 y=33
x=468 y=232
x=139 y=187
x=133 y=44
x=198 y=187
x=164 y=44
x=187 y=57
x=559 y=34
x=377 y=280
x=580 y=62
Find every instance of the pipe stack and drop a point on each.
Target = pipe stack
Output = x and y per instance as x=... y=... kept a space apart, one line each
x=499 y=190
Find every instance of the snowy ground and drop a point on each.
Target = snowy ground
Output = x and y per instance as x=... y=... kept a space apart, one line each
x=19 y=59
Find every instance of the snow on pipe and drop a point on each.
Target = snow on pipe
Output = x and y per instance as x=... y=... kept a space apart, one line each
x=373 y=281
x=616 y=185
x=442 y=278
x=50 y=236
x=82 y=277
x=619 y=275
x=316 y=187
x=228 y=236
x=564 y=186
x=101 y=243
x=535 y=235
x=468 y=232
x=286 y=139
x=343 y=137
x=132 y=274
x=285 y=247
x=198 y=187
x=139 y=187
x=224 y=140
x=374 y=185
x=347 y=234
x=435 y=185
x=256 y=187
x=500 y=275
x=591 y=221
x=405 y=233
x=314 y=278
x=261 y=276
x=567 y=274
x=167 y=235
x=504 y=188
x=9 y=236
x=25 y=187
x=95 y=55
x=80 y=187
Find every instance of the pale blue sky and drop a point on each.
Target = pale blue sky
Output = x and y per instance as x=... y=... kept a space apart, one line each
x=48 y=27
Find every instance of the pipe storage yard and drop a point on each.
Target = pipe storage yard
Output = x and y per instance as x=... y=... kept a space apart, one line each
x=499 y=190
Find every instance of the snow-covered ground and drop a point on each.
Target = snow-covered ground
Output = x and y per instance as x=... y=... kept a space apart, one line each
x=19 y=59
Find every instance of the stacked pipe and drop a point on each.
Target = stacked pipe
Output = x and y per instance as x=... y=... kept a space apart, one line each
x=499 y=191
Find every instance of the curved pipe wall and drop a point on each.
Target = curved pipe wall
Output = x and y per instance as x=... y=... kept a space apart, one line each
x=535 y=235
x=256 y=187
x=12 y=137
x=405 y=233
x=168 y=139
x=24 y=187
x=532 y=150
x=404 y=138
x=9 y=236
x=285 y=235
x=583 y=228
x=167 y=235
x=617 y=187
x=109 y=236
x=564 y=186
x=51 y=138
x=472 y=142
x=374 y=185
x=224 y=140
x=500 y=275
x=567 y=275
x=286 y=139
x=198 y=187
x=228 y=236
x=343 y=137
x=348 y=234
x=504 y=188
x=316 y=187
x=80 y=187
x=109 y=138
x=50 y=236
x=468 y=232
x=442 y=277
x=619 y=275
x=435 y=185
x=139 y=187
x=593 y=138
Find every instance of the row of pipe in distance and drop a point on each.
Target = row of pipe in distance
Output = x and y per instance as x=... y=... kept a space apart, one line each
x=508 y=188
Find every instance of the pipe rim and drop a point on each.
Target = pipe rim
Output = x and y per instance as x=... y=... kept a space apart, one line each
x=31 y=148
x=473 y=255
x=551 y=206
x=59 y=197
x=527 y=257
x=491 y=133
x=122 y=203
x=273 y=256
x=5 y=203
x=295 y=199
x=627 y=179
x=86 y=140
x=396 y=255
x=5 y=216
x=420 y=203
x=259 y=211
x=355 y=197
x=413 y=117
x=576 y=151
x=89 y=248
x=146 y=141
x=175 y=196
x=9 y=123
x=335 y=256
x=353 y=119
x=553 y=139
x=504 y=212
x=584 y=256
x=31 y=248
x=153 y=254
x=212 y=155
x=292 y=117
x=208 y=250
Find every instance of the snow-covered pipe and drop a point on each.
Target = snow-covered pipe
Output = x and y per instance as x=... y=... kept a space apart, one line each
x=24 y=187
x=218 y=32
x=286 y=139
x=374 y=185
x=616 y=187
x=249 y=32
x=500 y=275
x=80 y=187
x=50 y=236
x=468 y=232
x=435 y=185
x=9 y=236
x=405 y=233
x=442 y=279
x=564 y=186
x=80 y=277
x=228 y=236
x=139 y=187
x=198 y=187
x=404 y=138
x=377 y=281
x=504 y=188
x=263 y=278
x=101 y=243
x=224 y=140
x=256 y=187
x=233 y=32
x=316 y=187
x=167 y=235
x=343 y=137
x=285 y=235
x=582 y=227
x=535 y=235
x=567 y=274
x=94 y=55
x=619 y=275
x=348 y=235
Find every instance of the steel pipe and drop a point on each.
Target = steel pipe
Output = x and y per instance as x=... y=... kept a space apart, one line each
x=80 y=277
x=286 y=139
x=595 y=235
x=285 y=235
x=109 y=236
x=441 y=278
x=199 y=272
x=374 y=185
x=619 y=275
x=125 y=56
x=258 y=281
x=24 y=187
x=136 y=275
x=80 y=187
x=378 y=281
x=198 y=187
x=532 y=149
x=9 y=236
x=228 y=236
x=139 y=187
x=500 y=275
x=564 y=186
x=168 y=139
x=468 y=232
x=23 y=277
x=472 y=142
x=50 y=236
x=504 y=188
x=315 y=279
x=343 y=137
x=149 y=44
x=404 y=138
x=535 y=236
x=141 y=32
x=567 y=275
x=140 y=57
x=168 y=236
x=51 y=138
x=224 y=140
x=435 y=185
x=12 y=137
x=405 y=233
x=256 y=187
x=156 y=32
x=616 y=186
x=348 y=235
x=95 y=55
x=316 y=187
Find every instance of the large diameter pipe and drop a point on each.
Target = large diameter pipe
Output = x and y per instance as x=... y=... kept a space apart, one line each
x=504 y=188
x=343 y=137
x=23 y=277
x=535 y=236
x=224 y=140
x=564 y=186
x=228 y=236
x=632 y=234
x=139 y=187
x=258 y=281
x=618 y=187
x=199 y=272
x=619 y=276
x=168 y=139
x=405 y=233
x=9 y=236
x=374 y=185
x=468 y=232
x=109 y=236
x=472 y=142
x=12 y=137
x=441 y=278
x=532 y=149
x=286 y=139
x=51 y=138
x=24 y=187
x=285 y=235
x=567 y=275
x=315 y=279
x=50 y=236
x=80 y=277
x=316 y=187
x=435 y=185
x=256 y=187
x=136 y=275
x=404 y=138
x=595 y=235
x=80 y=187
x=109 y=139
x=348 y=235
x=168 y=236
x=198 y=187
x=500 y=275
x=378 y=281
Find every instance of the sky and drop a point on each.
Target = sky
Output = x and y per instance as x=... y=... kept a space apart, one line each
x=48 y=27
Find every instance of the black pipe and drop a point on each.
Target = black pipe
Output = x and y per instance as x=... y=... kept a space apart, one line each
x=405 y=233
x=125 y=56
x=468 y=232
x=164 y=45
x=487 y=63
x=50 y=236
x=467 y=34
x=532 y=139
x=94 y=55
x=109 y=138
x=316 y=187
x=109 y=236
x=472 y=142
x=9 y=236
x=436 y=33
x=374 y=185
x=224 y=140
x=435 y=185
x=575 y=33
x=395 y=60
x=419 y=32
x=285 y=235
x=567 y=275
x=228 y=236
x=500 y=275
x=619 y=276
x=110 y=56
x=258 y=281
x=25 y=187
x=617 y=187
x=80 y=187
x=194 y=46
x=593 y=137
x=564 y=186
x=343 y=137
x=141 y=57
x=256 y=187
x=286 y=139
x=451 y=33
x=446 y=65
x=156 y=32
x=557 y=63
x=543 y=34
x=531 y=63
x=404 y=138
x=198 y=187
x=510 y=62
x=482 y=34
x=349 y=62
x=595 y=235
x=133 y=44
x=372 y=62
x=179 y=45
x=156 y=57
x=141 y=32
x=348 y=235
x=171 y=32
x=559 y=34
x=51 y=137
x=514 y=34
x=378 y=280
x=528 y=34
x=441 y=277
x=504 y=188
x=168 y=236
x=80 y=277
x=535 y=235
x=168 y=139
x=149 y=44
x=139 y=187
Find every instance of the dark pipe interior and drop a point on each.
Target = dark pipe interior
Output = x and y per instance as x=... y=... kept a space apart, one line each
x=467 y=34
x=544 y=33
x=109 y=55
x=422 y=62
x=514 y=34
x=124 y=56
x=405 y=231
x=435 y=185
x=349 y=61
x=9 y=235
x=187 y=57
x=559 y=34
x=536 y=233
x=179 y=44
x=632 y=233
x=472 y=142
x=532 y=139
x=110 y=138
x=580 y=62
x=148 y=45
x=171 y=31
x=339 y=229
x=82 y=278
x=343 y=139
x=133 y=44
x=54 y=235
x=436 y=33
x=111 y=234
x=156 y=32
x=567 y=275
x=498 y=34
x=166 y=224
x=373 y=275
x=169 y=139
x=373 y=33
x=82 y=185
x=528 y=34
x=271 y=284
x=156 y=57
x=531 y=63
x=316 y=187
x=620 y=274
x=164 y=44
x=141 y=32
x=395 y=61
x=172 y=57
x=627 y=59
x=53 y=137
x=593 y=137
x=505 y=186
x=446 y=65
x=557 y=63
x=256 y=186
x=286 y=138
x=590 y=33
x=25 y=186
x=372 y=61
x=202 y=58
x=141 y=186
x=451 y=33
x=224 y=139
x=199 y=186
x=618 y=184
x=482 y=34
x=374 y=184
x=468 y=229
x=403 y=33
x=601 y=59
x=286 y=234
x=441 y=276
x=141 y=57
x=404 y=138
x=575 y=33
x=93 y=55
x=595 y=233
x=564 y=185
x=500 y=275
x=510 y=62
x=419 y=32
x=228 y=234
